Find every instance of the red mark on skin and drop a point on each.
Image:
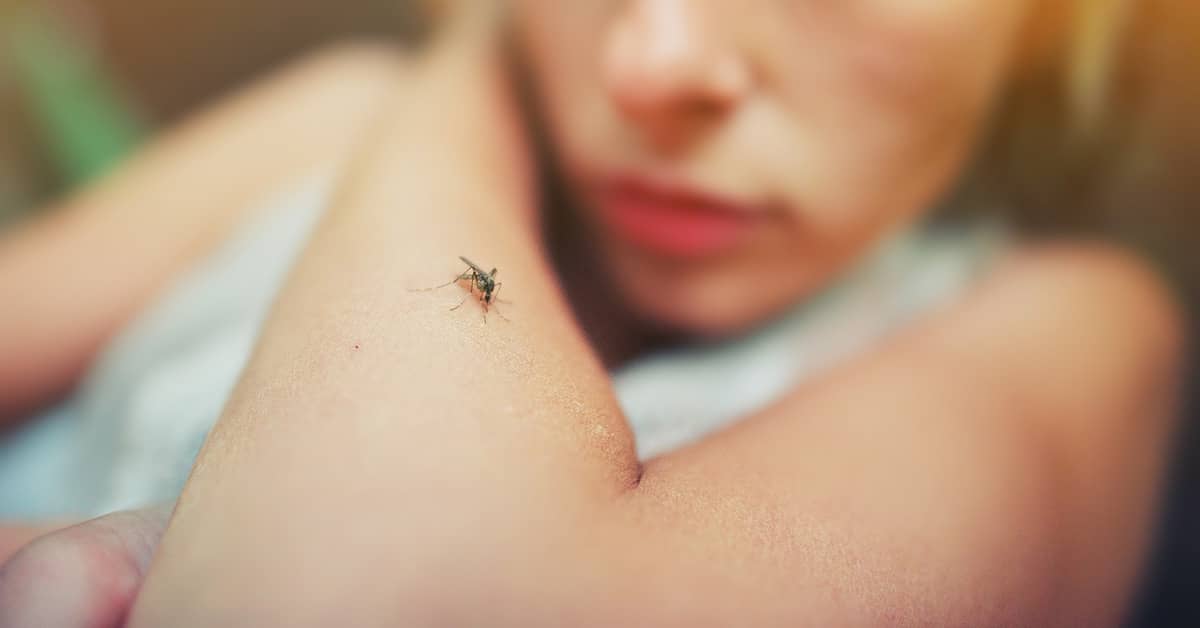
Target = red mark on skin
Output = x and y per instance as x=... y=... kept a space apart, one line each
x=356 y=346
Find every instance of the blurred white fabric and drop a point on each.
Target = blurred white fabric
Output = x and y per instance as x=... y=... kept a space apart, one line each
x=128 y=435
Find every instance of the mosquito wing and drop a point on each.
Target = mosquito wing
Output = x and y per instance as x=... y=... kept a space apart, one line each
x=475 y=267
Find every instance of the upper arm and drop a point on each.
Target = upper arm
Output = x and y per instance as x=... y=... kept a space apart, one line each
x=1094 y=345
x=997 y=465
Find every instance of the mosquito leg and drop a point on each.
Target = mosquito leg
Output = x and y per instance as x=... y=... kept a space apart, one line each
x=457 y=279
x=496 y=299
x=470 y=293
x=464 y=300
x=495 y=295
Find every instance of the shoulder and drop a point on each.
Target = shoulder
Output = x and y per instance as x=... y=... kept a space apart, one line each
x=1113 y=283
x=1085 y=290
x=1079 y=328
x=1086 y=342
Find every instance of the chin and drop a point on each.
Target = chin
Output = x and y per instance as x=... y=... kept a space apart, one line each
x=708 y=302
x=708 y=325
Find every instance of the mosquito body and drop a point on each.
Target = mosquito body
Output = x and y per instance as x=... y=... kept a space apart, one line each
x=479 y=280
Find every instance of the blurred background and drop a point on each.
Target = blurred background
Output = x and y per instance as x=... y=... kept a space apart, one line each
x=84 y=82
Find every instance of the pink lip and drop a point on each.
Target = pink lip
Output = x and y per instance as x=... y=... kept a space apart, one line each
x=674 y=220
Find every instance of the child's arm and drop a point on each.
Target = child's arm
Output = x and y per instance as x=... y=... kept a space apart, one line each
x=72 y=276
x=386 y=461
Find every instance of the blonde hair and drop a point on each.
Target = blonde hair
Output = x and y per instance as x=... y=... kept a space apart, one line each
x=1091 y=137
x=1092 y=52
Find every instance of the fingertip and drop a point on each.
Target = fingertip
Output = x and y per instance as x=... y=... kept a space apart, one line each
x=66 y=581
x=85 y=576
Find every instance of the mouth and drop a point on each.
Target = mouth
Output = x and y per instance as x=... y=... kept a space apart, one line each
x=675 y=220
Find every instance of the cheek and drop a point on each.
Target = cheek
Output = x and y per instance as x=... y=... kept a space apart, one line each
x=948 y=52
x=885 y=101
x=563 y=51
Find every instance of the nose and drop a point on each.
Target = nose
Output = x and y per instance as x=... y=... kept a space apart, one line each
x=670 y=69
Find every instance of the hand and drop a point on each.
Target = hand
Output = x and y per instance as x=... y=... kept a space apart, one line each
x=83 y=576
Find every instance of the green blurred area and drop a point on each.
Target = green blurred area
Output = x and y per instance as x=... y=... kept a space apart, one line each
x=83 y=82
x=80 y=113
x=64 y=101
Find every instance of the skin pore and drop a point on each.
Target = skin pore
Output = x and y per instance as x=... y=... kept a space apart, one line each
x=384 y=461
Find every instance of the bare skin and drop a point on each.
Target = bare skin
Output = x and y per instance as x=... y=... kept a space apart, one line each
x=955 y=476
x=950 y=477
x=14 y=537
x=83 y=575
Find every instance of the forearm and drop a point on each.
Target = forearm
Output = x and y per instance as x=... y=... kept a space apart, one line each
x=378 y=414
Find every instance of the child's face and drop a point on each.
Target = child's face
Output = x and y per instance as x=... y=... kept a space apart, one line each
x=732 y=156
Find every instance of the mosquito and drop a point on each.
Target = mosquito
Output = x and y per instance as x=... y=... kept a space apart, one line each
x=481 y=280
